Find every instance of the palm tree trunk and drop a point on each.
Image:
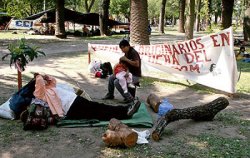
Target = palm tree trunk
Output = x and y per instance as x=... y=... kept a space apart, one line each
x=227 y=12
x=139 y=22
x=162 y=16
x=198 y=15
x=190 y=19
x=60 y=28
x=182 y=6
x=208 y=18
x=103 y=17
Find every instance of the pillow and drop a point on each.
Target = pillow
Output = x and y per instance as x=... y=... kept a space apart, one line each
x=6 y=112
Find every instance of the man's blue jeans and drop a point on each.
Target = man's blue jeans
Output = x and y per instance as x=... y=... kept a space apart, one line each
x=114 y=82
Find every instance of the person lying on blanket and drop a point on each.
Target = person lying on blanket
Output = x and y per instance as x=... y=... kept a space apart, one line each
x=67 y=104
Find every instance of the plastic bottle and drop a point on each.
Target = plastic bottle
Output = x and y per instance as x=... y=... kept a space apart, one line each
x=164 y=107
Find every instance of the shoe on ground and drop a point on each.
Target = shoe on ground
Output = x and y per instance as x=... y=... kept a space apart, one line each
x=133 y=108
x=108 y=96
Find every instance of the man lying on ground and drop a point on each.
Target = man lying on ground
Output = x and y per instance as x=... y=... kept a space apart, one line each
x=67 y=104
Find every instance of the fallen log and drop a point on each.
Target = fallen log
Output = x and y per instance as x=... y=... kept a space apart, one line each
x=154 y=101
x=119 y=134
x=205 y=112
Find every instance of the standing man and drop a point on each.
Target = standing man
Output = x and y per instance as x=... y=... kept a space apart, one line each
x=133 y=62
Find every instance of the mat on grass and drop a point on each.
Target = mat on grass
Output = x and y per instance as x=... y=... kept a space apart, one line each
x=140 y=119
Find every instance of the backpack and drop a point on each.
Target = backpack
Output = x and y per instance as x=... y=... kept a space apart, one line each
x=37 y=117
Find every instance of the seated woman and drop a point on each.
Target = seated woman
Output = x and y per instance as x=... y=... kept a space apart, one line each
x=68 y=104
x=243 y=55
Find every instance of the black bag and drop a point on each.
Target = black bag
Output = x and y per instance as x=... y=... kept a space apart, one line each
x=106 y=69
x=37 y=117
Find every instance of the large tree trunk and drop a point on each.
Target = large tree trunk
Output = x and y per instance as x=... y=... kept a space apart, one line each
x=88 y=6
x=227 y=12
x=205 y=112
x=103 y=17
x=208 y=16
x=139 y=22
x=246 y=22
x=60 y=28
x=162 y=16
x=190 y=19
x=182 y=5
x=198 y=15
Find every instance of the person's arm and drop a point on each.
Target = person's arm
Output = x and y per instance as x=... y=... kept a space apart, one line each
x=134 y=63
x=43 y=82
x=51 y=81
x=39 y=87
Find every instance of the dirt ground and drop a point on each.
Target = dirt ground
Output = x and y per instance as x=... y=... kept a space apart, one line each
x=67 y=61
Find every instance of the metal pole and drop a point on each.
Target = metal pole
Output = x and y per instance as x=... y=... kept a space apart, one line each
x=44 y=5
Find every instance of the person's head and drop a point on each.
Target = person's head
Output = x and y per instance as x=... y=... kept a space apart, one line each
x=242 y=49
x=124 y=46
x=122 y=62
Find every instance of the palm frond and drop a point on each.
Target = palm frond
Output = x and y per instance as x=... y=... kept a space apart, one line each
x=23 y=53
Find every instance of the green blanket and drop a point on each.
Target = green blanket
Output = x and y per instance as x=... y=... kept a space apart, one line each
x=140 y=119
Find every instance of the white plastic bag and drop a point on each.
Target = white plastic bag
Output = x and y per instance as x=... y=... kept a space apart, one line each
x=6 y=112
x=94 y=66
x=142 y=136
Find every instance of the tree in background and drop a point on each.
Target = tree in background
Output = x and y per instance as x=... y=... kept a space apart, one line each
x=246 y=22
x=120 y=8
x=139 y=22
x=162 y=16
x=190 y=19
x=227 y=12
x=88 y=5
x=153 y=11
x=198 y=15
x=60 y=28
x=208 y=14
x=171 y=12
x=182 y=6
x=216 y=5
x=103 y=17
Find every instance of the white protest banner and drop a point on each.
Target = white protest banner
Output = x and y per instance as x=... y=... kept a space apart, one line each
x=208 y=60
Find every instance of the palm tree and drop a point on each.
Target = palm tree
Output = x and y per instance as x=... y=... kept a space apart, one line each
x=182 y=5
x=162 y=16
x=60 y=28
x=103 y=17
x=190 y=19
x=209 y=11
x=21 y=54
x=198 y=15
x=139 y=22
x=227 y=12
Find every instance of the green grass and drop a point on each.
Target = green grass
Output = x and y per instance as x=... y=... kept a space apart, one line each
x=243 y=85
x=224 y=147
